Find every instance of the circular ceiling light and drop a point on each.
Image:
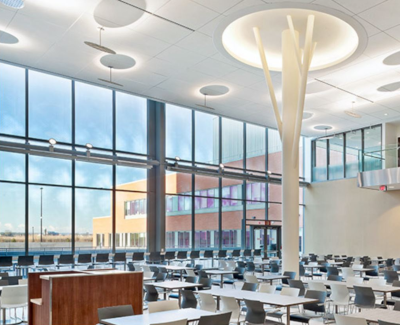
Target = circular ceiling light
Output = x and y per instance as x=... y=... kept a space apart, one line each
x=118 y=61
x=340 y=38
x=16 y=4
x=115 y=14
x=390 y=87
x=98 y=46
x=214 y=90
x=307 y=115
x=323 y=127
x=393 y=59
x=352 y=113
x=7 y=38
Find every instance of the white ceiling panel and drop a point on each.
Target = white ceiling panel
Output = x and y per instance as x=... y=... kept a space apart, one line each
x=214 y=67
x=380 y=44
x=198 y=43
x=181 y=56
x=219 y=6
x=384 y=15
x=358 y=6
x=5 y=17
x=243 y=78
x=187 y=12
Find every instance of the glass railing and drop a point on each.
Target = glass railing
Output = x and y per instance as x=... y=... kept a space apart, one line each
x=380 y=157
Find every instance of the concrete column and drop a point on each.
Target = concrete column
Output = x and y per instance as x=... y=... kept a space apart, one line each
x=290 y=173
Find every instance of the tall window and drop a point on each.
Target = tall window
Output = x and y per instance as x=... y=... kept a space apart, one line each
x=207 y=138
x=255 y=147
x=178 y=132
x=232 y=143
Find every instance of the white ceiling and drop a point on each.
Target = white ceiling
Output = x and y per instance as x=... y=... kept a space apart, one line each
x=173 y=63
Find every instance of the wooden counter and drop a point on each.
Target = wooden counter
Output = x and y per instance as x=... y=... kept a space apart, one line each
x=73 y=297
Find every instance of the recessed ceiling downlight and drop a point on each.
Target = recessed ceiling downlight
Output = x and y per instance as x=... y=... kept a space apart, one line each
x=7 y=38
x=16 y=4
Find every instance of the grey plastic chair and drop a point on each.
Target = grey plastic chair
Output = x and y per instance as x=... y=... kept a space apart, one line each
x=317 y=308
x=188 y=299
x=390 y=276
x=115 y=311
x=332 y=271
x=151 y=293
x=397 y=306
x=298 y=284
x=160 y=277
x=247 y=286
x=66 y=259
x=291 y=276
x=374 y=272
x=335 y=277
x=255 y=312
x=364 y=298
x=131 y=267
x=381 y=322
x=218 y=319
x=206 y=282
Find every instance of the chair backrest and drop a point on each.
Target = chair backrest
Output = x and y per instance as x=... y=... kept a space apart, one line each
x=291 y=276
x=250 y=267
x=364 y=298
x=25 y=261
x=247 y=286
x=267 y=288
x=317 y=307
x=207 y=302
x=274 y=268
x=131 y=267
x=3 y=283
x=292 y=292
x=188 y=299
x=390 y=276
x=3 y=274
x=194 y=254
x=397 y=305
x=85 y=258
x=332 y=270
x=229 y=304
x=333 y=277
x=247 y=253
x=120 y=257
x=192 y=279
x=155 y=256
x=206 y=283
x=182 y=255
x=297 y=284
x=255 y=312
x=381 y=322
x=160 y=277
x=354 y=280
x=208 y=254
x=340 y=293
x=396 y=293
x=6 y=261
x=318 y=286
x=222 y=253
x=12 y=280
x=46 y=260
x=138 y=256
x=66 y=259
x=14 y=295
x=217 y=319
x=250 y=278
x=102 y=258
x=151 y=293
x=236 y=253
x=346 y=320
x=376 y=282
x=257 y=252
x=190 y=272
x=169 y=255
x=165 y=305
x=115 y=311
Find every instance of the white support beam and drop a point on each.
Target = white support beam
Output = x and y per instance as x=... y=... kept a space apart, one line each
x=295 y=42
x=267 y=75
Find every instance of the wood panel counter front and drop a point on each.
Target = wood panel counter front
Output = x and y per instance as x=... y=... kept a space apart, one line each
x=73 y=297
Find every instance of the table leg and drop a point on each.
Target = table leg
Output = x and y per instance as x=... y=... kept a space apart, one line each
x=288 y=315
x=181 y=275
x=222 y=281
x=385 y=299
x=179 y=297
x=165 y=294
x=262 y=269
x=218 y=302
x=270 y=282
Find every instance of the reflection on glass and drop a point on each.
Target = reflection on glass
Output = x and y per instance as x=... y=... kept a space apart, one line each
x=353 y=145
x=12 y=218
x=49 y=107
x=274 y=152
x=93 y=115
x=178 y=222
x=49 y=170
x=232 y=143
x=49 y=219
x=255 y=147
x=232 y=225
x=178 y=132
x=12 y=100
x=206 y=138
x=372 y=150
x=131 y=123
x=336 y=157
x=93 y=223
x=320 y=161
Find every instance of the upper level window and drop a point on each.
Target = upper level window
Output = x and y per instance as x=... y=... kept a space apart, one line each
x=178 y=131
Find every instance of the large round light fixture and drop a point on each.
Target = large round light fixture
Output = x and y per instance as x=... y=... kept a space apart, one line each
x=16 y=4
x=340 y=38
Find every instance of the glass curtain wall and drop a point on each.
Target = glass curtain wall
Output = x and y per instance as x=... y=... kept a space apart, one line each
x=58 y=205
x=345 y=154
x=215 y=209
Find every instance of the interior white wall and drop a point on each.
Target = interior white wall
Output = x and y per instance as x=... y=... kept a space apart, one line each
x=341 y=218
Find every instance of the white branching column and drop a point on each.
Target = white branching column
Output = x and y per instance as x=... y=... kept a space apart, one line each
x=295 y=67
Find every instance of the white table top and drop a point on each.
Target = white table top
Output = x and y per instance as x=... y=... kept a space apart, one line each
x=373 y=315
x=384 y=288
x=273 y=277
x=190 y=314
x=176 y=285
x=173 y=267
x=218 y=272
x=266 y=298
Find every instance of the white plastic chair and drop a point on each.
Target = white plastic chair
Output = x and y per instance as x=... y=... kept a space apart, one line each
x=190 y=272
x=347 y=272
x=346 y=320
x=340 y=296
x=22 y=281
x=207 y=302
x=165 y=305
x=318 y=286
x=229 y=304
x=13 y=297
x=250 y=278
x=292 y=292
x=267 y=288
x=231 y=265
x=354 y=280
